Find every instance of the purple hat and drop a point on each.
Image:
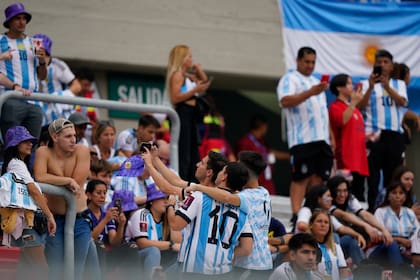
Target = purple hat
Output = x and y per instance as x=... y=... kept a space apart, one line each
x=127 y=200
x=46 y=42
x=153 y=192
x=132 y=167
x=14 y=10
x=16 y=135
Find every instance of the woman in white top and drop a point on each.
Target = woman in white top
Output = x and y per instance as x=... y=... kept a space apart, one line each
x=333 y=265
x=17 y=153
x=104 y=137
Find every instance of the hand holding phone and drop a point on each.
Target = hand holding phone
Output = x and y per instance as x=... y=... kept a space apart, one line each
x=118 y=204
x=325 y=78
x=377 y=70
x=145 y=145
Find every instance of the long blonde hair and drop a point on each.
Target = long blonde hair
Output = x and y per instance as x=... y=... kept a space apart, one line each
x=175 y=62
x=329 y=238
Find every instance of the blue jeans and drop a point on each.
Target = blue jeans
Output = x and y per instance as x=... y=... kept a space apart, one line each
x=150 y=257
x=351 y=249
x=54 y=249
x=93 y=267
x=383 y=254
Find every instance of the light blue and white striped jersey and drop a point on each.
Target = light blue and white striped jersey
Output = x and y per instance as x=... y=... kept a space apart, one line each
x=142 y=224
x=53 y=111
x=307 y=122
x=21 y=69
x=214 y=230
x=59 y=76
x=382 y=113
x=256 y=203
x=14 y=193
x=403 y=225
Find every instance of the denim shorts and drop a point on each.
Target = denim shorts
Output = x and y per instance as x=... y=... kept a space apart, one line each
x=29 y=238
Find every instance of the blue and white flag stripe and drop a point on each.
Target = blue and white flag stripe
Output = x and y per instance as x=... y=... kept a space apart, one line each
x=347 y=35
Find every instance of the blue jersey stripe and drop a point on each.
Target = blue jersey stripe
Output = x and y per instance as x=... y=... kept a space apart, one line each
x=341 y=16
x=8 y=63
x=50 y=80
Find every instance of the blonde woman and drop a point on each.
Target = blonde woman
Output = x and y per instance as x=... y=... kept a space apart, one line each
x=333 y=265
x=185 y=81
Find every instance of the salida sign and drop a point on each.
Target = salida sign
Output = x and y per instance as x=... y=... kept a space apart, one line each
x=134 y=89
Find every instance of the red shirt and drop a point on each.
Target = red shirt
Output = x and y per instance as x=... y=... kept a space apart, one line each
x=350 y=151
x=249 y=143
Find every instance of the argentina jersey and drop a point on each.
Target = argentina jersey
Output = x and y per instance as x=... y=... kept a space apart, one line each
x=215 y=228
x=256 y=203
x=15 y=193
x=307 y=122
x=382 y=113
x=52 y=111
x=21 y=69
x=187 y=86
x=143 y=225
x=59 y=76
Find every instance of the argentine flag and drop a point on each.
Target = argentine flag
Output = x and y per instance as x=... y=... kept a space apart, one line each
x=347 y=34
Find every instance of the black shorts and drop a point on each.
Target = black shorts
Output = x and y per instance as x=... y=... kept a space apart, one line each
x=315 y=158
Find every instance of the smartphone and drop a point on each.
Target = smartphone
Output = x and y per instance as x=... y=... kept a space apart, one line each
x=118 y=204
x=377 y=70
x=325 y=78
x=145 y=145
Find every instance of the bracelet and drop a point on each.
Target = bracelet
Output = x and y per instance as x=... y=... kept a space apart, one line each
x=170 y=205
x=182 y=194
x=171 y=243
x=14 y=86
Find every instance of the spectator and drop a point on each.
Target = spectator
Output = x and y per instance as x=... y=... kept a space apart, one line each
x=104 y=137
x=59 y=81
x=302 y=255
x=406 y=177
x=18 y=149
x=303 y=100
x=129 y=139
x=345 y=201
x=81 y=122
x=349 y=132
x=149 y=228
x=213 y=134
x=333 y=265
x=200 y=210
x=277 y=241
x=65 y=163
x=383 y=102
x=255 y=201
x=400 y=221
x=23 y=66
x=254 y=140
x=107 y=226
x=351 y=241
x=102 y=170
x=182 y=89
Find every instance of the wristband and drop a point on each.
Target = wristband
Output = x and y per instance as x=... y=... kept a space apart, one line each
x=171 y=243
x=170 y=205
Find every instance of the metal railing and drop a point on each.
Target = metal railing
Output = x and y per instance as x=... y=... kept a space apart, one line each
x=69 y=197
x=110 y=104
x=68 y=227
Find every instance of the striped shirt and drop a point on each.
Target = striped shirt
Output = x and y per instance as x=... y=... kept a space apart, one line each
x=256 y=203
x=53 y=111
x=382 y=113
x=141 y=224
x=307 y=122
x=21 y=69
x=59 y=76
x=402 y=225
x=214 y=230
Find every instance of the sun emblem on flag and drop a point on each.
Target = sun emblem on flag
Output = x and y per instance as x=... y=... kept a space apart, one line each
x=369 y=51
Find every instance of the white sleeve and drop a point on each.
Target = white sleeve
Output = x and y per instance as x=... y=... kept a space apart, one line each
x=336 y=223
x=19 y=168
x=354 y=205
x=303 y=216
x=190 y=206
x=379 y=215
x=415 y=242
x=340 y=256
x=286 y=86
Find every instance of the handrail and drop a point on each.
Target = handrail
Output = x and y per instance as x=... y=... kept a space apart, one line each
x=68 y=227
x=110 y=104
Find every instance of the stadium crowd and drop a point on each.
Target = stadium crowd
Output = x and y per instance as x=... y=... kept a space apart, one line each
x=138 y=218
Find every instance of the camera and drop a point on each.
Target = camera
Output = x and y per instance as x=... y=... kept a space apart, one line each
x=145 y=145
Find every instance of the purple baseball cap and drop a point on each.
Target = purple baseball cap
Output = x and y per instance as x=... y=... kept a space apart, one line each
x=14 y=10
x=16 y=135
x=132 y=167
x=46 y=42
x=127 y=200
x=153 y=193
